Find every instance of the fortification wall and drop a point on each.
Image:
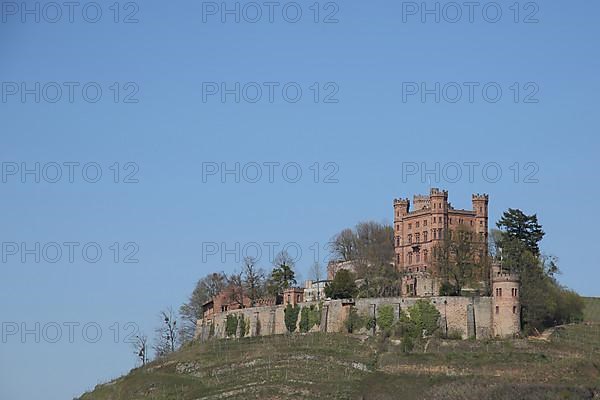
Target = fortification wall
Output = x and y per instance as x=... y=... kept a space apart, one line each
x=467 y=316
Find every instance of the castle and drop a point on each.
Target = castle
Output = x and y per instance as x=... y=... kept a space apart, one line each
x=417 y=232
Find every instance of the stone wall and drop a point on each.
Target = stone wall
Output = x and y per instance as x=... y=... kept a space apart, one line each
x=467 y=316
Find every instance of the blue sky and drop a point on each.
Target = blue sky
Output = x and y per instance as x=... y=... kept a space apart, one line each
x=360 y=144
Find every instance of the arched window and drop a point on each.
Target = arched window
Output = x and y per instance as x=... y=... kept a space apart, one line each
x=410 y=258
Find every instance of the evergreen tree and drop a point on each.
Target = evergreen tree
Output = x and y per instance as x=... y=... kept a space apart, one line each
x=342 y=286
x=516 y=225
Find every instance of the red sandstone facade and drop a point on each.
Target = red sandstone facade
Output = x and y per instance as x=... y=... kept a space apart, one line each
x=419 y=230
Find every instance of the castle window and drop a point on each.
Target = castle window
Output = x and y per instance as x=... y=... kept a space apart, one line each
x=397 y=258
x=417 y=237
x=410 y=258
x=417 y=224
x=481 y=223
x=471 y=223
x=434 y=233
x=497 y=310
x=425 y=255
x=397 y=241
x=498 y=292
x=409 y=239
x=418 y=256
x=425 y=223
x=514 y=309
x=434 y=220
x=409 y=226
x=425 y=236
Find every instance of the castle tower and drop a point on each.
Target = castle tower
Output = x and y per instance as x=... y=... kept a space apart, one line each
x=401 y=208
x=439 y=212
x=480 y=208
x=506 y=304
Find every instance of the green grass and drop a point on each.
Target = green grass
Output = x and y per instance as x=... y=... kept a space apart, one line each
x=336 y=366
x=592 y=309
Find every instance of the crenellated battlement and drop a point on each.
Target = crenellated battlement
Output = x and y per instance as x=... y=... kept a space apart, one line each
x=505 y=277
x=500 y=275
x=438 y=192
x=482 y=197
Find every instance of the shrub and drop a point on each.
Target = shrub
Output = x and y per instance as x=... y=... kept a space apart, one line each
x=342 y=286
x=407 y=344
x=370 y=323
x=454 y=334
x=231 y=325
x=314 y=316
x=385 y=318
x=354 y=322
x=291 y=317
x=447 y=289
x=406 y=327
x=425 y=316
x=305 y=320
x=242 y=323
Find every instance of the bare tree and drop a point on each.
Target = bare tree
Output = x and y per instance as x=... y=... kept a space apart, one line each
x=166 y=333
x=191 y=311
x=235 y=285
x=253 y=279
x=140 y=347
x=343 y=245
x=458 y=258
x=316 y=274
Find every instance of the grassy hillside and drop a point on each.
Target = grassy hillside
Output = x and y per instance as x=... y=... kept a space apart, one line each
x=592 y=309
x=344 y=367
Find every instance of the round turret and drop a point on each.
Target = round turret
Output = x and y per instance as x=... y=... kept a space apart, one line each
x=506 y=305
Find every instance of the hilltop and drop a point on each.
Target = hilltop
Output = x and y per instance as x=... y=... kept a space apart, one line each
x=337 y=366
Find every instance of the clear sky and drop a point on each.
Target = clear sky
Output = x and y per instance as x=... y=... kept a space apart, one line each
x=370 y=129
